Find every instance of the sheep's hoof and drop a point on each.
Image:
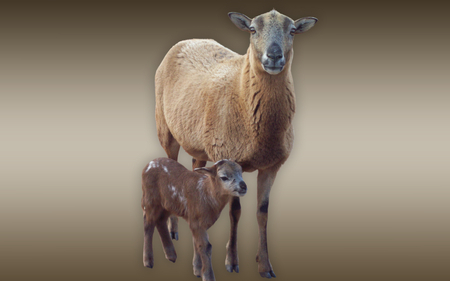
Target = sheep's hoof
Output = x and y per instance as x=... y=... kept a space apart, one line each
x=174 y=235
x=269 y=274
x=230 y=268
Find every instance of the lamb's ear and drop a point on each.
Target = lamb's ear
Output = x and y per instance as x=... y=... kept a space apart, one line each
x=304 y=24
x=220 y=162
x=206 y=171
x=241 y=21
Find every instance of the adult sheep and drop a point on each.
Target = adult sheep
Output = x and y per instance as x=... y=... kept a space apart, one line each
x=218 y=104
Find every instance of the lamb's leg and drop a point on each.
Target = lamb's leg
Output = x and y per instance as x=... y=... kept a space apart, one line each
x=265 y=181
x=149 y=227
x=203 y=249
x=232 y=260
x=166 y=240
x=173 y=227
x=197 y=262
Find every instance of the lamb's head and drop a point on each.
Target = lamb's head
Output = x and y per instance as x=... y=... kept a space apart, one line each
x=272 y=36
x=228 y=174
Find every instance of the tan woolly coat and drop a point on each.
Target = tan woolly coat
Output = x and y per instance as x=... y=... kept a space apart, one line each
x=217 y=104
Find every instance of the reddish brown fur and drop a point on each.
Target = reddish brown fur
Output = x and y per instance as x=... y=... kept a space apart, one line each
x=199 y=197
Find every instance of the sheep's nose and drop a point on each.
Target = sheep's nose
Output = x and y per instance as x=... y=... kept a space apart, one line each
x=274 y=52
x=243 y=186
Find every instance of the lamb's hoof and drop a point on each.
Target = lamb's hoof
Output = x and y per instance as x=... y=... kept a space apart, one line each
x=230 y=268
x=174 y=235
x=269 y=274
x=148 y=263
x=172 y=258
x=198 y=272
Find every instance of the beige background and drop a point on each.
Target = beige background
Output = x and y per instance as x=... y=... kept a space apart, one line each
x=364 y=196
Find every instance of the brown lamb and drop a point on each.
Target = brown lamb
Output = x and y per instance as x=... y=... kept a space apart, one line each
x=170 y=189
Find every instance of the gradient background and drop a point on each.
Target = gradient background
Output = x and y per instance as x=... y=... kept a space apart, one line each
x=365 y=194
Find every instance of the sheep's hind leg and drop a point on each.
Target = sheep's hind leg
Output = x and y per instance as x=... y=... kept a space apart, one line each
x=168 y=143
x=172 y=148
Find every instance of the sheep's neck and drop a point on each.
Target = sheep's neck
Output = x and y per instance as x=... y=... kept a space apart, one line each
x=270 y=98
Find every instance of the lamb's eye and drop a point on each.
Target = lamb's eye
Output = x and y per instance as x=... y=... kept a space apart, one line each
x=293 y=31
x=224 y=178
x=252 y=30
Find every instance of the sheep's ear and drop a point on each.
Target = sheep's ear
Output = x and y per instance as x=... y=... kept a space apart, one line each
x=206 y=171
x=304 y=24
x=241 y=21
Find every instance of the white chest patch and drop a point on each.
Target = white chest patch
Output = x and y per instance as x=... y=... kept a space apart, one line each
x=200 y=183
x=205 y=194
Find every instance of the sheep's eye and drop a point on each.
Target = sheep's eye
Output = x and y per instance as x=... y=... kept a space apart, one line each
x=224 y=178
x=293 y=31
x=252 y=30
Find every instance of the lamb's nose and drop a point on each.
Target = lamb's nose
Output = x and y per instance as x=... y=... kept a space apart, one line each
x=243 y=186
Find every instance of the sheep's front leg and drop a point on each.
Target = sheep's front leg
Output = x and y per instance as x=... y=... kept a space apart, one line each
x=203 y=249
x=172 y=148
x=265 y=182
x=232 y=260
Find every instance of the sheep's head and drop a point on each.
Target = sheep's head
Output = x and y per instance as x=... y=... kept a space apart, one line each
x=272 y=36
